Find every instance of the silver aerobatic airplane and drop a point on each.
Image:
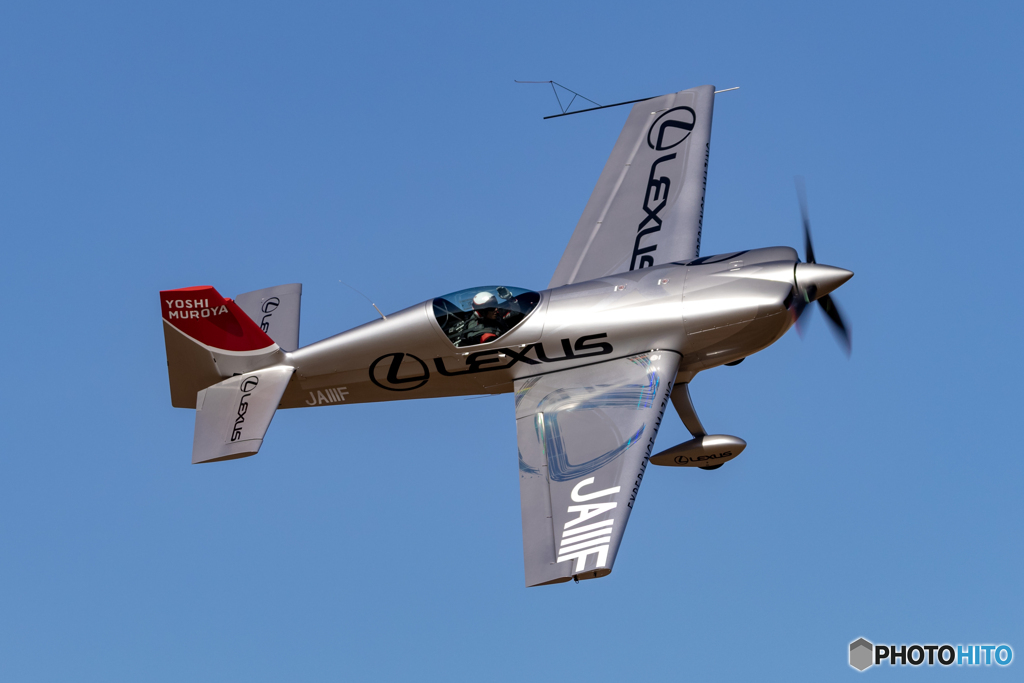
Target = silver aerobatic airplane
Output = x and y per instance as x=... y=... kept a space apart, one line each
x=630 y=317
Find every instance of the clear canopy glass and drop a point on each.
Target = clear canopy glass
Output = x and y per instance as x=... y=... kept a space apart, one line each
x=482 y=314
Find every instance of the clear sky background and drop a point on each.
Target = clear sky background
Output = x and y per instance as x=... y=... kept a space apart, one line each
x=247 y=145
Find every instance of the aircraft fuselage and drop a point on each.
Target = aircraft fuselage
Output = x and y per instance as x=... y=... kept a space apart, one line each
x=710 y=311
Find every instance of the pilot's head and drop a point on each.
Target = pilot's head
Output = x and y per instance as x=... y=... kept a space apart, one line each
x=485 y=305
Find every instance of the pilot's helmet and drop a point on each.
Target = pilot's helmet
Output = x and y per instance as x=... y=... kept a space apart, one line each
x=484 y=300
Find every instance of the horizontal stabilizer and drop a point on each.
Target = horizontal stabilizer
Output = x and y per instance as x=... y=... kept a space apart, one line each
x=276 y=311
x=233 y=416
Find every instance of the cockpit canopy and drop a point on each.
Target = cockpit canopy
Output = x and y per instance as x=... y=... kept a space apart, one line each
x=482 y=314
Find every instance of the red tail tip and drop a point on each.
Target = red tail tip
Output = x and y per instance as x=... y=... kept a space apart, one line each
x=204 y=315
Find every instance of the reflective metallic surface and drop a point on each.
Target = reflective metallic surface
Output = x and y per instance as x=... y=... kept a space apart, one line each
x=630 y=319
x=819 y=280
x=583 y=441
x=684 y=407
x=704 y=451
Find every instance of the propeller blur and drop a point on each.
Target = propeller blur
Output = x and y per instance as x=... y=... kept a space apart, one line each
x=815 y=282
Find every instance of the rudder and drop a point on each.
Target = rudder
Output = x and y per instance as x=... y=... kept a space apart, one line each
x=208 y=338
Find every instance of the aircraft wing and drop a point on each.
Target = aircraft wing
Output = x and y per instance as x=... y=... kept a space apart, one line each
x=648 y=206
x=585 y=436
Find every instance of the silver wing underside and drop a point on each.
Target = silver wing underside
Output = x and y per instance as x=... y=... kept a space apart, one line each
x=648 y=206
x=585 y=436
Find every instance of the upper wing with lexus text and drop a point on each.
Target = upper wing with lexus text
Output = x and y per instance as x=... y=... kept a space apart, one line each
x=648 y=206
x=585 y=436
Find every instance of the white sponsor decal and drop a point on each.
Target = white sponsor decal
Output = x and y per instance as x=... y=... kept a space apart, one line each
x=330 y=395
x=580 y=542
x=186 y=309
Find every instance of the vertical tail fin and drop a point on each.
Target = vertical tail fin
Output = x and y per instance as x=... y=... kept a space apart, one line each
x=207 y=318
x=209 y=338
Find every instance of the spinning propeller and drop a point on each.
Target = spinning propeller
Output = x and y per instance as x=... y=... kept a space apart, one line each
x=814 y=282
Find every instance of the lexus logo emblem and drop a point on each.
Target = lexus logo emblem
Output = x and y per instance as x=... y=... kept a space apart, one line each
x=386 y=376
x=673 y=126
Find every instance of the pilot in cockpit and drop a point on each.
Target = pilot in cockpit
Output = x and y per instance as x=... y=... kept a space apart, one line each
x=486 y=322
x=482 y=315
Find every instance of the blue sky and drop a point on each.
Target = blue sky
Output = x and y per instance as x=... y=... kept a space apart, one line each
x=246 y=145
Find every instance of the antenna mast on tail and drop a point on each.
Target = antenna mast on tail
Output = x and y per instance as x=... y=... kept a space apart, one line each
x=565 y=109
